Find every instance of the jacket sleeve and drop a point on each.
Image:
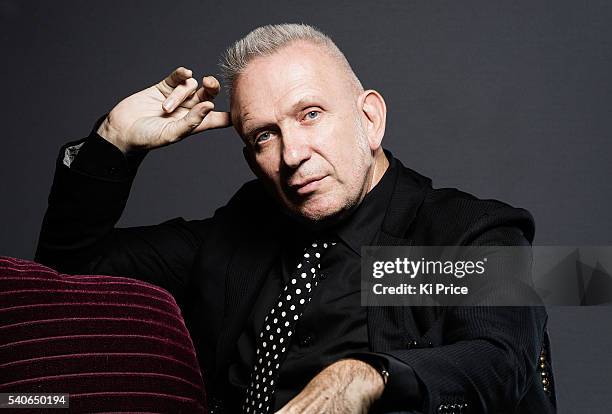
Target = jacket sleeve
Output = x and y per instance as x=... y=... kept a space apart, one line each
x=486 y=359
x=78 y=233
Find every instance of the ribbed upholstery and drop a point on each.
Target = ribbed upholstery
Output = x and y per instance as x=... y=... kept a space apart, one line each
x=114 y=344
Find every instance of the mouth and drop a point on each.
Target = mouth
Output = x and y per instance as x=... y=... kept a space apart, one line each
x=307 y=186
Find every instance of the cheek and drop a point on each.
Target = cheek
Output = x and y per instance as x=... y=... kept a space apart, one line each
x=346 y=152
x=333 y=142
x=267 y=166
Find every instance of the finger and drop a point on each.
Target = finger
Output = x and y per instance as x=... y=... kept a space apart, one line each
x=177 y=77
x=214 y=119
x=187 y=124
x=179 y=94
x=210 y=88
x=194 y=99
x=207 y=92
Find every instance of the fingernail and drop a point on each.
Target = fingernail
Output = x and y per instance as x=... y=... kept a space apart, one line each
x=168 y=104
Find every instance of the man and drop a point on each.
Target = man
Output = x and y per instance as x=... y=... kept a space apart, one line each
x=287 y=246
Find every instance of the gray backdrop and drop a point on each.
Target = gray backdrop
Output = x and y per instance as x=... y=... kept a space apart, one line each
x=503 y=100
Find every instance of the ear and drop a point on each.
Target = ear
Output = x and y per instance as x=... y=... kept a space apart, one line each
x=374 y=116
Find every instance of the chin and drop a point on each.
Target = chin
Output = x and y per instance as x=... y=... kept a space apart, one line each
x=319 y=210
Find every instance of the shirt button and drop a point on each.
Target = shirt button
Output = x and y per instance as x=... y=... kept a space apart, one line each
x=112 y=170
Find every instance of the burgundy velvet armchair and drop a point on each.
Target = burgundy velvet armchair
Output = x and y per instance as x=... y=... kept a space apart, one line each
x=113 y=343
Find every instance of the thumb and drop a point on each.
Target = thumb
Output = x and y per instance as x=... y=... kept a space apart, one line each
x=187 y=124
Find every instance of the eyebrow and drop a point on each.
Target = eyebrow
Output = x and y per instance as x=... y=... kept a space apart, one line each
x=304 y=102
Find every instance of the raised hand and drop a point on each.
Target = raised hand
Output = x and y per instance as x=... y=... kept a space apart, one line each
x=164 y=113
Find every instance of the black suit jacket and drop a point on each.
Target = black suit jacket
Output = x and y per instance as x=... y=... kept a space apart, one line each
x=466 y=359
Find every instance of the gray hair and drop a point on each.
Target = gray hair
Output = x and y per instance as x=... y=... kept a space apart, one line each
x=266 y=40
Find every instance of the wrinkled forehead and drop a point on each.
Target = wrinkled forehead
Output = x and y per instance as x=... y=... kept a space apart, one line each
x=277 y=82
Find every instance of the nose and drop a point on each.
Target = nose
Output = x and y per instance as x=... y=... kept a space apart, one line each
x=296 y=148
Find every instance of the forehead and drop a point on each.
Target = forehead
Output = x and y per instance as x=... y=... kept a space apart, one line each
x=276 y=82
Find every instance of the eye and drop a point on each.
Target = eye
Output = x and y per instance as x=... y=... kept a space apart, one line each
x=263 y=137
x=312 y=115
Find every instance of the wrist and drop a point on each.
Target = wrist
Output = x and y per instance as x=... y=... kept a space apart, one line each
x=110 y=134
x=365 y=379
x=376 y=380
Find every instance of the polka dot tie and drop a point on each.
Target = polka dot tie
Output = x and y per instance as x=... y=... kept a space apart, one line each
x=278 y=326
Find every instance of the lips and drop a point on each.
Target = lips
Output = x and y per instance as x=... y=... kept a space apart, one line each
x=307 y=185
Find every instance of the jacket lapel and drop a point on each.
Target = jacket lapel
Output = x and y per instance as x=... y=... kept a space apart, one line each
x=250 y=264
x=390 y=326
